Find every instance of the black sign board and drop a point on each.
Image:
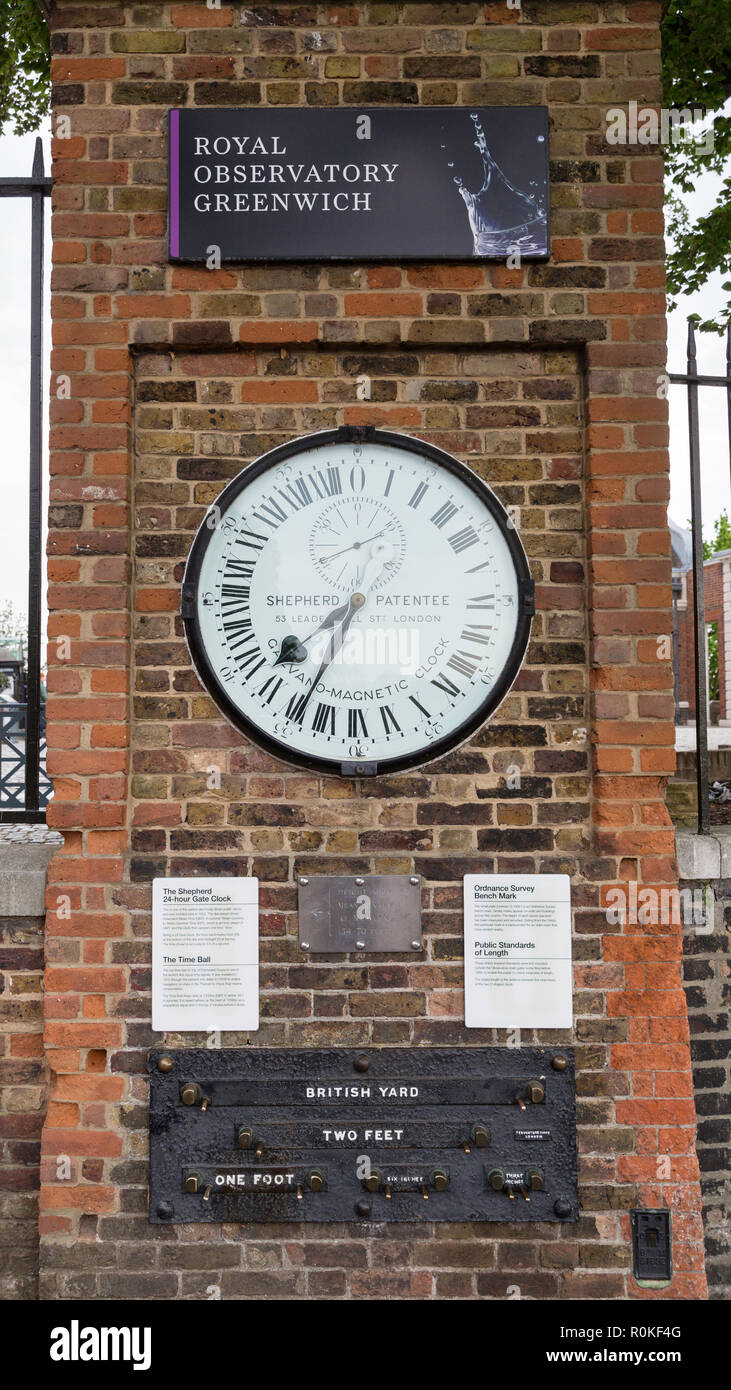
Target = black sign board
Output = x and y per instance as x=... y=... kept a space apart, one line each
x=380 y=183
x=386 y=1134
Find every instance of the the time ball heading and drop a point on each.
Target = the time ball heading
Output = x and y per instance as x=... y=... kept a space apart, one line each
x=376 y=183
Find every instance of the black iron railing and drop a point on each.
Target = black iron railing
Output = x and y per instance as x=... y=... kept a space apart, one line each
x=14 y=758
x=31 y=805
x=691 y=380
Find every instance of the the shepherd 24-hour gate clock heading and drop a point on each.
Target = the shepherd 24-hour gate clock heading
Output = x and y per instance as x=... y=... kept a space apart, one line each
x=357 y=602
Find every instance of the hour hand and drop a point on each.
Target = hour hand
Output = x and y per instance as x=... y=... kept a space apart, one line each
x=293 y=648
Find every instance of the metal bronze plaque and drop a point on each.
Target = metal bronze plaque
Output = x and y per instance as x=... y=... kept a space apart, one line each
x=338 y=913
x=386 y=1134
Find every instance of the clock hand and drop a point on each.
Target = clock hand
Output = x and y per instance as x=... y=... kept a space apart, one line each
x=381 y=553
x=325 y=559
x=355 y=602
x=292 y=648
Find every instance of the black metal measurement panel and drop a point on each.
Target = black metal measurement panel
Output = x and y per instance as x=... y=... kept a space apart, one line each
x=432 y=1134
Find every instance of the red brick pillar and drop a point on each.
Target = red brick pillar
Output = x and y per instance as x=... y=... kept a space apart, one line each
x=544 y=379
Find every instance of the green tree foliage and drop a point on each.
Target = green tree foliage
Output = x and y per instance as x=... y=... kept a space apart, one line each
x=13 y=629
x=721 y=537
x=696 y=69
x=25 y=65
x=721 y=541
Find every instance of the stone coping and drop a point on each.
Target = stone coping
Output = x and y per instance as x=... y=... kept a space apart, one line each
x=704 y=856
x=25 y=851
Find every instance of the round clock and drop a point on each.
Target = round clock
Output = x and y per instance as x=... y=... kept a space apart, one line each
x=357 y=602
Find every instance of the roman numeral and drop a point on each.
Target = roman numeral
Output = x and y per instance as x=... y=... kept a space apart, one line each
x=414 y=701
x=462 y=539
x=275 y=682
x=326 y=483
x=445 y=684
x=245 y=659
x=356 y=724
x=236 y=591
x=478 y=632
x=253 y=538
x=234 y=599
x=271 y=509
x=296 y=708
x=461 y=662
x=301 y=496
x=444 y=514
x=481 y=600
x=239 y=569
x=390 y=721
x=387 y=488
x=420 y=491
x=324 y=720
x=237 y=628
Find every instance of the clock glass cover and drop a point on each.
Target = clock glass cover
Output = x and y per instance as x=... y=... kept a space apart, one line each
x=357 y=604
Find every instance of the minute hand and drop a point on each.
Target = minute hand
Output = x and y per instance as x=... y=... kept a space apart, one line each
x=381 y=553
x=336 y=642
x=293 y=648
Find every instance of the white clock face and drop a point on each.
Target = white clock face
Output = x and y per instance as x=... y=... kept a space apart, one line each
x=357 y=603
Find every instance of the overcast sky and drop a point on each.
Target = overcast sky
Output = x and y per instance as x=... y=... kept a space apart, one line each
x=16 y=155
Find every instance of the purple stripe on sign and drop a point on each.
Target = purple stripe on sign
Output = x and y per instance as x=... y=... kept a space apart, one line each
x=174 y=212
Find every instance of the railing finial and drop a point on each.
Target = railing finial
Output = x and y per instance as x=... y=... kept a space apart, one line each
x=38 y=166
x=692 y=364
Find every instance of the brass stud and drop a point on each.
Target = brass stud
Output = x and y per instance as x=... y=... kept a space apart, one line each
x=165 y=1064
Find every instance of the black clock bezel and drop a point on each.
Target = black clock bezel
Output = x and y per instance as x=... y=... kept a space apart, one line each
x=327 y=766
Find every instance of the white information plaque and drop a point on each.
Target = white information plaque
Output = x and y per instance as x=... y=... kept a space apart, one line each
x=205 y=955
x=517 y=948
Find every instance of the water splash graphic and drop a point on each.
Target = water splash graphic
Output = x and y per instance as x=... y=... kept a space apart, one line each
x=501 y=216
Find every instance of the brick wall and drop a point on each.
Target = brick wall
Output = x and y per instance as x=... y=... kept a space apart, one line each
x=706 y=978
x=24 y=853
x=22 y=1102
x=543 y=379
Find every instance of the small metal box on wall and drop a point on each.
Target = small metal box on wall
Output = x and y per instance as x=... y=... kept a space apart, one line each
x=375 y=912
